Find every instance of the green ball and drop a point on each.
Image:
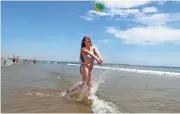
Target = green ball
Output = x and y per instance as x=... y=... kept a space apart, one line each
x=99 y=6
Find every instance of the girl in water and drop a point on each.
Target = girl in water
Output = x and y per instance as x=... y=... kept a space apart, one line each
x=88 y=54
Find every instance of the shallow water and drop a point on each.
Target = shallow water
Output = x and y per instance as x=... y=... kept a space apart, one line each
x=37 y=87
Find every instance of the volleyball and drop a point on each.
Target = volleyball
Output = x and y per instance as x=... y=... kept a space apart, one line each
x=99 y=5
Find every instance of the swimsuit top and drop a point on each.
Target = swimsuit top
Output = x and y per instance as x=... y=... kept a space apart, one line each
x=87 y=57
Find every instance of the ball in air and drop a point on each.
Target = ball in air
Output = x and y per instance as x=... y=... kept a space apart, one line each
x=99 y=5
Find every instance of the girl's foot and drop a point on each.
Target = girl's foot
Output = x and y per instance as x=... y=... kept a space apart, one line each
x=67 y=91
x=90 y=95
x=64 y=93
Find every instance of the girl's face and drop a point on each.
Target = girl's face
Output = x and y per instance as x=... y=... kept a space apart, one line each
x=87 y=42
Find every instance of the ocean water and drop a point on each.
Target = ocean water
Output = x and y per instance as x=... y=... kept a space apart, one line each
x=29 y=87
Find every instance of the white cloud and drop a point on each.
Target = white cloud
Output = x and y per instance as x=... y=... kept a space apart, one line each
x=88 y=18
x=149 y=10
x=137 y=16
x=114 y=12
x=114 y=7
x=157 y=19
x=90 y=12
x=103 y=41
x=115 y=4
x=127 y=8
x=123 y=12
x=146 y=35
x=121 y=8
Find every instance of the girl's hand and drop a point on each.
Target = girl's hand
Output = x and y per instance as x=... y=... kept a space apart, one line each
x=99 y=61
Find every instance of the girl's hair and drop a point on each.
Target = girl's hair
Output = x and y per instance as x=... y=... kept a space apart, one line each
x=83 y=45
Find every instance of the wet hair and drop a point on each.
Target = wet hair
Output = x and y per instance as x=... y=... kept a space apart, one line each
x=83 y=45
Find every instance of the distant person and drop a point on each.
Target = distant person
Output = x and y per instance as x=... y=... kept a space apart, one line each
x=14 y=59
x=34 y=61
x=4 y=62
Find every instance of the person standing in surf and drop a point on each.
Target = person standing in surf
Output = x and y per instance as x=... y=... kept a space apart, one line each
x=14 y=59
x=88 y=53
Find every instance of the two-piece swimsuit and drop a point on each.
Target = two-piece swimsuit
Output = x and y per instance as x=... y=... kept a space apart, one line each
x=87 y=57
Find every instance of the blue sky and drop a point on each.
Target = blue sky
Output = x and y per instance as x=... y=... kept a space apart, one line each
x=143 y=32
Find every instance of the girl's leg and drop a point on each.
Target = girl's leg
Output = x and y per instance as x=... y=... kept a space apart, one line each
x=79 y=86
x=89 y=82
x=85 y=76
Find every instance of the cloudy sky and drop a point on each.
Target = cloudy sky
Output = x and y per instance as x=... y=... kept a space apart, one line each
x=130 y=32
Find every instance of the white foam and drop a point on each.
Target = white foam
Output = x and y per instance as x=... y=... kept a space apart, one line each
x=7 y=64
x=162 y=73
x=102 y=106
x=99 y=105
x=38 y=94
x=73 y=64
x=62 y=93
x=59 y=77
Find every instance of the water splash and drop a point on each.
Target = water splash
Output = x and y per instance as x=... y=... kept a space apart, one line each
x=99 y=105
